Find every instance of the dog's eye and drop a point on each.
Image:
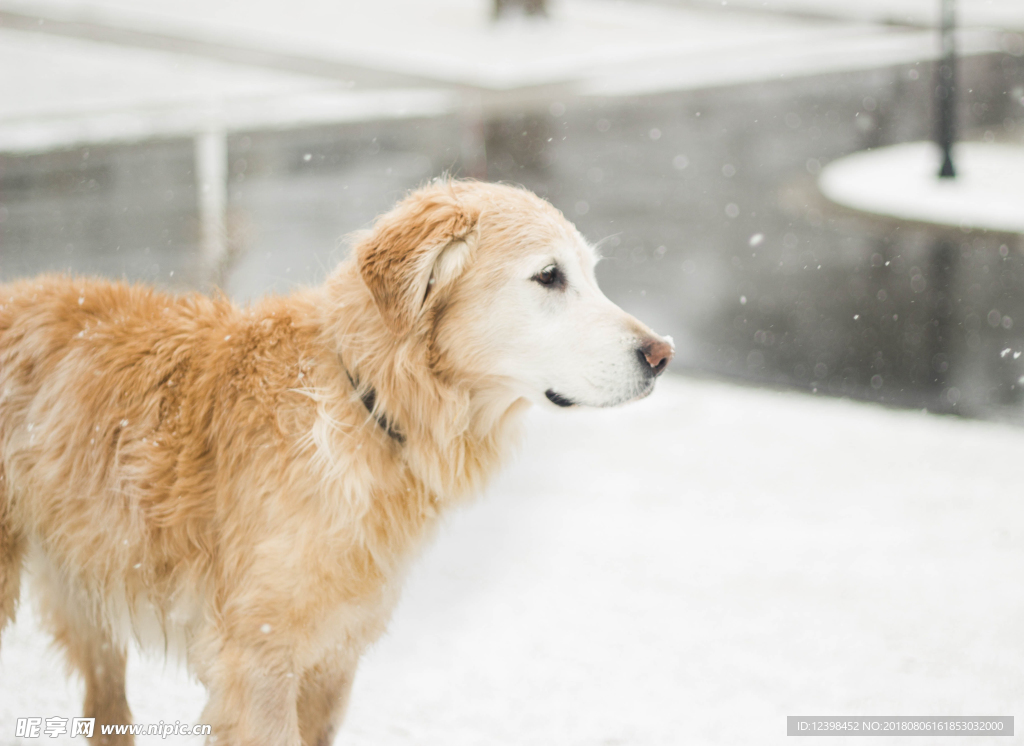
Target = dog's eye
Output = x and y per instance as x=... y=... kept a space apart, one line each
x=550 y=277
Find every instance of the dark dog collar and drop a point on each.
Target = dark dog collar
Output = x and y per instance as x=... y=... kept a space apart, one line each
x=369 y=399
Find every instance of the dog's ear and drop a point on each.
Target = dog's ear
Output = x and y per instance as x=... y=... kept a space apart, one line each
x=414 y=250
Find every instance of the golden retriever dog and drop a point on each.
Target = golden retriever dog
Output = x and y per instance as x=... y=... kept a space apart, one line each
x=247 y=486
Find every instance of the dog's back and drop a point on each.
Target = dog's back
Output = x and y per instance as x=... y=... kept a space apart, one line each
x=85 y=368
x=111 y=397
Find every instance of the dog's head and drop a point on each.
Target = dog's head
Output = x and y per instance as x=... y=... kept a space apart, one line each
x=501 y=288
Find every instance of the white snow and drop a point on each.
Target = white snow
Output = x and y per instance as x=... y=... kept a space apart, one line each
x=70 y=92
x=1007 y=14
x=687 y=570
x=603 y=45
x=451 y=40
x=902 y=181
x=829 y=48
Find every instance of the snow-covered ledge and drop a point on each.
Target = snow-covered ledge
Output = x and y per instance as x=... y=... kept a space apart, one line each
x=901 y=181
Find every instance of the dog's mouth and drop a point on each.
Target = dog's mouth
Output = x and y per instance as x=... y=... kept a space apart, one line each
x=555 y=398
x=562 y=401
x=646 y=391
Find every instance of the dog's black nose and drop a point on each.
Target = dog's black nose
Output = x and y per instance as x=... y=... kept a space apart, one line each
x=655 y=353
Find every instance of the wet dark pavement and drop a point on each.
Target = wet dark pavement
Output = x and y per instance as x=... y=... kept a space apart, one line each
x=704 y=204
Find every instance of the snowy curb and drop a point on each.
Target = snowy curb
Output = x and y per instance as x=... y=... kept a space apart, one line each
x=902 y=182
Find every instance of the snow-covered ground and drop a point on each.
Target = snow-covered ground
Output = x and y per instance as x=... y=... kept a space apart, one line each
x=75 y=91
x=599 y=44
x=902 y=181
x=1006 y=14
x=687 y=570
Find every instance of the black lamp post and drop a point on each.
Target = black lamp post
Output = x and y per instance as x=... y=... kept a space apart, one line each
x=945 y=91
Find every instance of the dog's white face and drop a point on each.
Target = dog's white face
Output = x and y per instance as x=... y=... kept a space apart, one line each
x=549 y=331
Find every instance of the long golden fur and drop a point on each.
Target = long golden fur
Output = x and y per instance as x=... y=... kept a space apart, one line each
x=209 y=478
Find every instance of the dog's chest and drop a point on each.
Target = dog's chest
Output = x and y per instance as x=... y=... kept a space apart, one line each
x=349 y=628
x=351 y=623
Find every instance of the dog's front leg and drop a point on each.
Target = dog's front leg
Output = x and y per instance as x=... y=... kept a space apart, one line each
x=253 y=695
x=323 y=698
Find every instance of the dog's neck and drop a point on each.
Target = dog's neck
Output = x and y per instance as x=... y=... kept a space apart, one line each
x=452 y=434
x=369 y=400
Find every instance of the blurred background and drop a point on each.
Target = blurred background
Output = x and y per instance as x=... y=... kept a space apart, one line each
x=190 y=145
x=690 y=569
